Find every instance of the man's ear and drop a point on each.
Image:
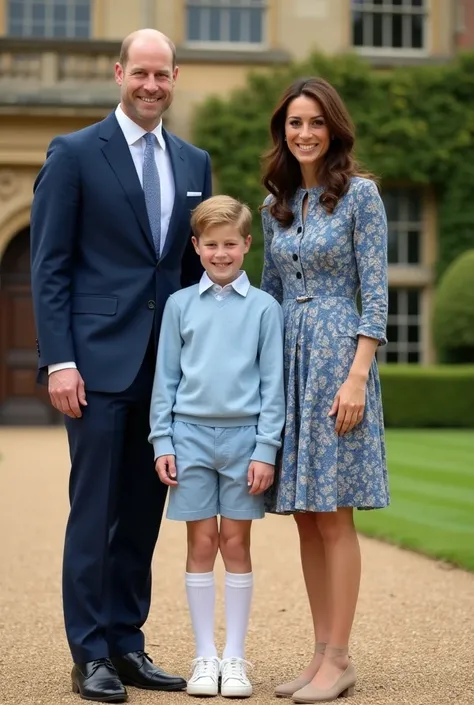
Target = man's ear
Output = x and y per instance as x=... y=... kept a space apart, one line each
x=195 y=242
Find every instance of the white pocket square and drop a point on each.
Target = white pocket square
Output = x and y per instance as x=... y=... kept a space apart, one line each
x=194 y=193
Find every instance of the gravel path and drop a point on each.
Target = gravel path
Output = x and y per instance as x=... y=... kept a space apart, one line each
x=413 y=640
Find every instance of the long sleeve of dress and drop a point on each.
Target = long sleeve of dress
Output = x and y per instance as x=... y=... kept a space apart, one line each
x=370 y=247
x=271 y=280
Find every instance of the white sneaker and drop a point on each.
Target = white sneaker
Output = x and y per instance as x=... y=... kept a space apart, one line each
x=205 y=678
x=234 y=681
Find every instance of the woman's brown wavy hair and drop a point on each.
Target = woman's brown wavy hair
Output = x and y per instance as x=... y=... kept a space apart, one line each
x=281 y=170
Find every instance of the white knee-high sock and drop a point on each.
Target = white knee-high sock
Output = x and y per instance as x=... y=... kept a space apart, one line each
x=201 y=593
x=238 y=599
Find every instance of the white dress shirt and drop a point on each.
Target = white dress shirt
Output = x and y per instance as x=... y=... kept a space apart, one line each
x=241 y=285
x=133 y=134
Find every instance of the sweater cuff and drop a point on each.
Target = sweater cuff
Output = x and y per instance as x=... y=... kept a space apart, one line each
x=265 y=453
x=163 y=446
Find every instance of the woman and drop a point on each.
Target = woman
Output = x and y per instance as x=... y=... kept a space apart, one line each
x=325 y=240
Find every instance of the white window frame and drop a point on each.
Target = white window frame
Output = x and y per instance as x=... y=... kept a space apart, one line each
x=388 y=8
x=402 y=320
x=227 y=45
x=49 y=24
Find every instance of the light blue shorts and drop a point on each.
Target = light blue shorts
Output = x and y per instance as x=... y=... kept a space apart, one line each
x=211 y=466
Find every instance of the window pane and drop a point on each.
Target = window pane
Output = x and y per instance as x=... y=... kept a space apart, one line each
x=357 y=30
x=59 y=13
x=413 y=357
x=392 y=356
x=392 y=245
x=256 y=26
x=417 y=3
x=59 y=30
x=417 y=31
x=236 y=20
x=215 y=21
x=194 y=14
x=396 y=3
x=15 y=28
x=391 y=205
x=414 y=206
x=413 y=334
x=413 y=247
x=392 y=333
x=82 y=31
x=38 y=30
x=397 y=32
x=413 y=303
x=82 y=13
x=38 y=11
x=377 y=30
x=392 y=302
x=15 y=11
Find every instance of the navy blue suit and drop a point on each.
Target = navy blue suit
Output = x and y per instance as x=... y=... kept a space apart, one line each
x=99 y=293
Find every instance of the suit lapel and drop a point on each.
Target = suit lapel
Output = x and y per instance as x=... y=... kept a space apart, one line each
x=117 y=153
x=179 y=166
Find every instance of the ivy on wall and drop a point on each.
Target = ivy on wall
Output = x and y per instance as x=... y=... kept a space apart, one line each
x=414 y=124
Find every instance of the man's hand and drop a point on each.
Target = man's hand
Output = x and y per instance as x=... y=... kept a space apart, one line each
x=67 y=392
x=165 y=466
x=260 y=477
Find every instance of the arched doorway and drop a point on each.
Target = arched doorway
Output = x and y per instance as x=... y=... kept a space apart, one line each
x=22 y=401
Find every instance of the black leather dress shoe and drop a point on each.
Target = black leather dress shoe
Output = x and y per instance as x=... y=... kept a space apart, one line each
x=98 y=681
x=137 y=669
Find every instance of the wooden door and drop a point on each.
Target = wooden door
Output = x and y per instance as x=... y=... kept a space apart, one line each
x=22 y=400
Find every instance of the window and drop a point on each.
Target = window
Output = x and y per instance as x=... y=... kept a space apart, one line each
x=226 y=21
x=389 y=24
x=405 y=226
x=49 y=18
x=404 y=327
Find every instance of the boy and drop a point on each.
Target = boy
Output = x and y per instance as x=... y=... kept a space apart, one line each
x=217 y=413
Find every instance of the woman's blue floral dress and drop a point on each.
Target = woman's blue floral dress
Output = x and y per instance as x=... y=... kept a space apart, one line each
x=315 y=269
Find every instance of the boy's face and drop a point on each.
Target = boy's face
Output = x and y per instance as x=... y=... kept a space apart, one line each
x=222 y=249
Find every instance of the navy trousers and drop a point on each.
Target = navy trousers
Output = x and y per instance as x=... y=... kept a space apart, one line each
x=116 y=503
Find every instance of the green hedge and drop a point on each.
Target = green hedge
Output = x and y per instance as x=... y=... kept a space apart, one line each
x=414 y=124
x=428 y=397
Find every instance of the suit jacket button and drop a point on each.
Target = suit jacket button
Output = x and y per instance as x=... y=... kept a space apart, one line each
x=151 y=304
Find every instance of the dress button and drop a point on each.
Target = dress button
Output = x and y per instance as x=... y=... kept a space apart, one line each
x=295 y=258
x=300 y=229
x=151 y=304
x=298 y=275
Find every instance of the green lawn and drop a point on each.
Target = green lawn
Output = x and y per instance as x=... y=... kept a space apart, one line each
x=431 y=477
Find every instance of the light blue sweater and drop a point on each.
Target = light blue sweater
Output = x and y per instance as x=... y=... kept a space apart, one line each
x=220 y=363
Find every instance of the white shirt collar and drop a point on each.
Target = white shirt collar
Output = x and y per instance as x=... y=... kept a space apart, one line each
x=241 y=285
x=133 y=132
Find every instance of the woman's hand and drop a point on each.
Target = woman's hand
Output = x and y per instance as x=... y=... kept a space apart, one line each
x=349 y=404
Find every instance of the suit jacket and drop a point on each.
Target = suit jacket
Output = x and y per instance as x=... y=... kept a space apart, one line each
x=98 y=289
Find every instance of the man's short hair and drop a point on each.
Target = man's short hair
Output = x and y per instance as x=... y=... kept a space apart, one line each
x=128 y=41
x=221 y=210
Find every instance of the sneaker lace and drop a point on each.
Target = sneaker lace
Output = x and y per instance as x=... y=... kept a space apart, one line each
x=235 y=668
x=203 y=667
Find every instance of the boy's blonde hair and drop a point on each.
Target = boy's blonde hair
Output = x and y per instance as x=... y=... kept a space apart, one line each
x=221 y=210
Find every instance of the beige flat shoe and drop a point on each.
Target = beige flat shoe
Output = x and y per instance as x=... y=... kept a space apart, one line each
x=286 y=690
x=342 y=688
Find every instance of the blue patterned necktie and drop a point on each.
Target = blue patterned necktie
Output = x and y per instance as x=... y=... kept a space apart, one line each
x=151 y=188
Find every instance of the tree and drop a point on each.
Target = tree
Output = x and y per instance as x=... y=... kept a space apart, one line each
x=453 y=320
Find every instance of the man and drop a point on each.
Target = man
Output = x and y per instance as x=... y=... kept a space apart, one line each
x=110 y=239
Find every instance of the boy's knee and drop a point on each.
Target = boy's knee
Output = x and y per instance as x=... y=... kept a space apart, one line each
x=203 y=546
x=234 y=547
